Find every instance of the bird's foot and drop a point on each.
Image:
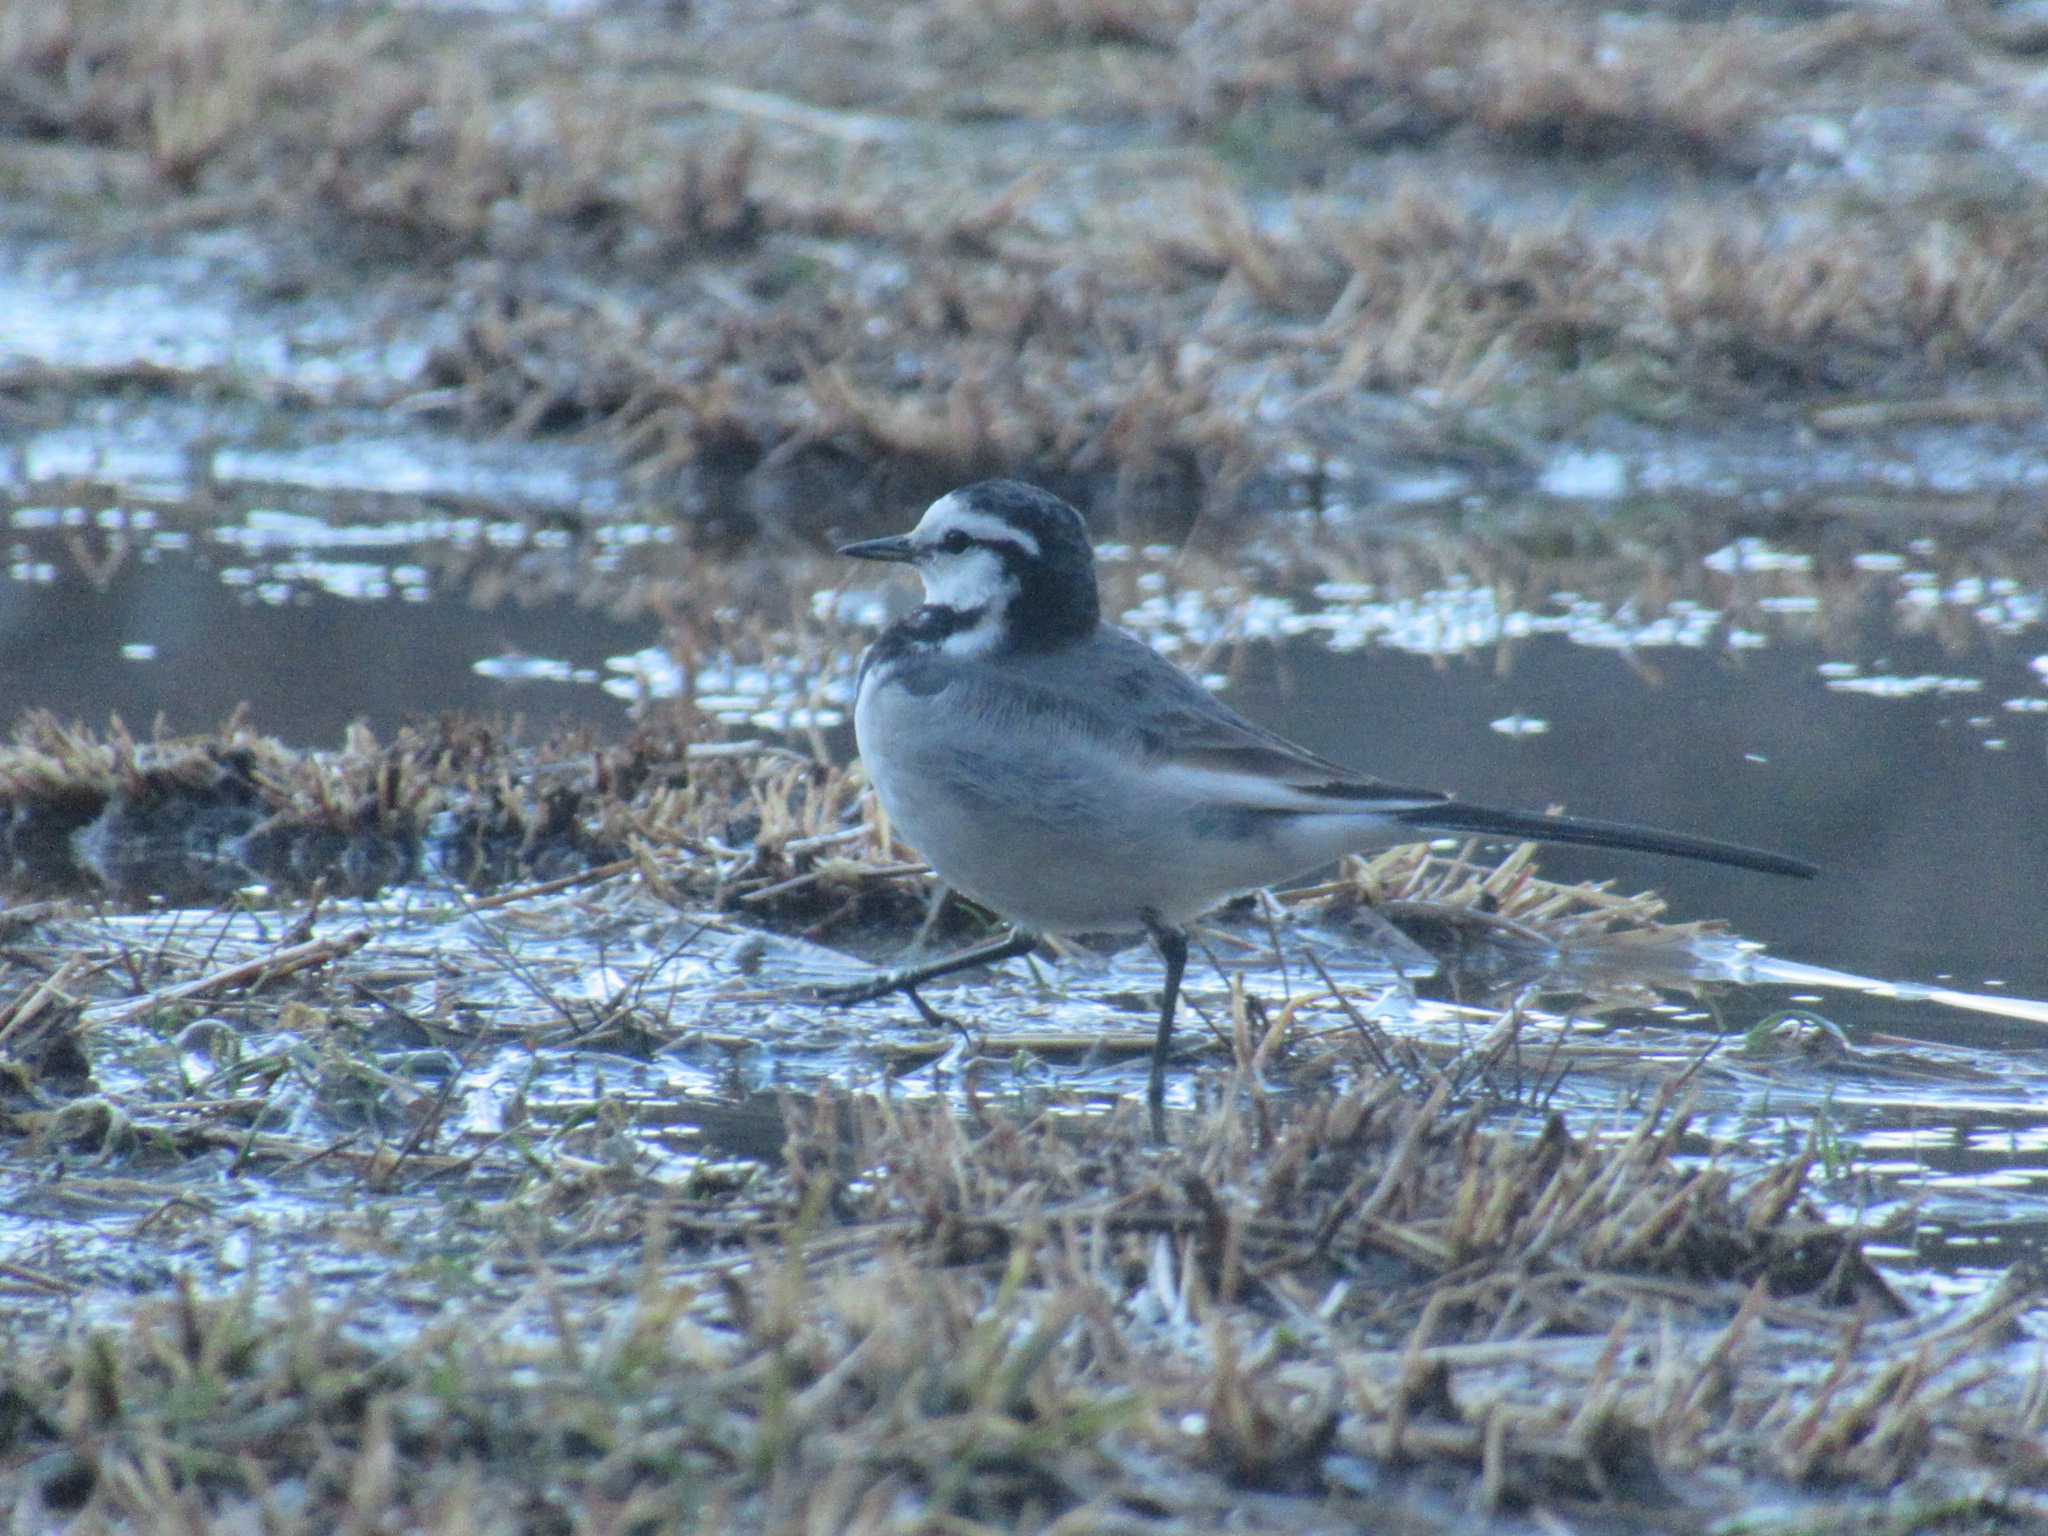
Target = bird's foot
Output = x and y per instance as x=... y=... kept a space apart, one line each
x=844 y=994
x=909 y=978
x=932 y=1016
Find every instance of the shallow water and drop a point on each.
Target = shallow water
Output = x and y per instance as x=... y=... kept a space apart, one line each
x=1887 y=718
x=605 y=1031
x=1873 y=696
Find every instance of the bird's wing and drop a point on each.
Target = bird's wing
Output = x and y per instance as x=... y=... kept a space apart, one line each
x=1218 y=753
x=1204 y=746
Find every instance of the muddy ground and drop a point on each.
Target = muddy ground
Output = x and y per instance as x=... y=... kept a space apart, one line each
x=801 y=265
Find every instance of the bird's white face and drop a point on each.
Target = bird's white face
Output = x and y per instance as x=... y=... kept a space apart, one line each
x=959 y=553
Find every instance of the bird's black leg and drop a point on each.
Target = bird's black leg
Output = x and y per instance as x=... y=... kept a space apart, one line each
x=910 y=977
x=1173 y=949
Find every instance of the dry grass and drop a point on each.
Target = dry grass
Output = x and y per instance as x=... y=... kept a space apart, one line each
x=1541 y=79
x=197 y=820
x=1426 y=293
x=747 y=277
x=401 y=137
x=1368 y=1302
x=1028 y=370
x=929 y=1321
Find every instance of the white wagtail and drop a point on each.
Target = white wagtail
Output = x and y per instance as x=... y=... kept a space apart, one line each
x=1064 y=775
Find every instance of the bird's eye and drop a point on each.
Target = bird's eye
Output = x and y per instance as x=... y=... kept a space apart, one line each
x=955 y=543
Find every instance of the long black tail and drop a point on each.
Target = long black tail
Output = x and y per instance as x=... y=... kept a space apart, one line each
x=1452 y=816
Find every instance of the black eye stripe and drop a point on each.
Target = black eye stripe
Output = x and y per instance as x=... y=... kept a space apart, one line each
x=956 y=541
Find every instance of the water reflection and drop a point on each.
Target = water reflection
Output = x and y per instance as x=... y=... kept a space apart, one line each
x=1876 y=707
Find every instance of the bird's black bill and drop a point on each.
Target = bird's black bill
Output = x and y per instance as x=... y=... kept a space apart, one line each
x=896 y=547
x=1483 y=821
